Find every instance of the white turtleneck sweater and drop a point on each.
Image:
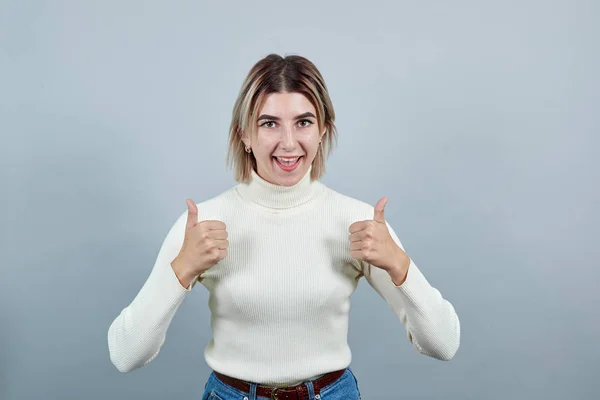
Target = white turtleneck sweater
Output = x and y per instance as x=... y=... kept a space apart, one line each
x=279 y=301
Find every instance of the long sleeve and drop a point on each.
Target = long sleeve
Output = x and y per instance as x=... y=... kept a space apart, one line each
x=138 y=333
x=430 y=320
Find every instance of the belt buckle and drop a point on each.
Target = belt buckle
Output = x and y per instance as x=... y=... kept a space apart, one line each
x=274 y=394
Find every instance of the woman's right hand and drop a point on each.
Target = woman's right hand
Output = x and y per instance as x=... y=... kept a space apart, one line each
x=205 y=244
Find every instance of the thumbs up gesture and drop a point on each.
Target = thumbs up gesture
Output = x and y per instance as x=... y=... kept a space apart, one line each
x=205 y=244
x=371 y=241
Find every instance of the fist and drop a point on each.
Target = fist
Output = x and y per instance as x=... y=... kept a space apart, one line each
x=204 y=245
x=371 y=241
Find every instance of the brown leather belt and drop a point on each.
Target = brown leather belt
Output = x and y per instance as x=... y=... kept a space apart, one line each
x=298 y=392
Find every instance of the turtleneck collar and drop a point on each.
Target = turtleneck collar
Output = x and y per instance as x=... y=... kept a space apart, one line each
x=280 y=197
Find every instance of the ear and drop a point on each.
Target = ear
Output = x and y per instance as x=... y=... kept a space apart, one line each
x=245 y=138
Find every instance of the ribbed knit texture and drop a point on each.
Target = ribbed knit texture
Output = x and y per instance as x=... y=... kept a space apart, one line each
x=279 y=301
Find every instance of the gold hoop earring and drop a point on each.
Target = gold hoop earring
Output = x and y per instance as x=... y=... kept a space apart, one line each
x=248 y=150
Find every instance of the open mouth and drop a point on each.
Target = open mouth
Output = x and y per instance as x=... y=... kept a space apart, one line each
x=288 y=163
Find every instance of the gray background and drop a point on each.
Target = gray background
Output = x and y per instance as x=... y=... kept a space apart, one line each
x=478 y=119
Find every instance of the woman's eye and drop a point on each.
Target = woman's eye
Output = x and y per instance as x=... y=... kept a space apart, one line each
x=266 y=123
x=303 y=123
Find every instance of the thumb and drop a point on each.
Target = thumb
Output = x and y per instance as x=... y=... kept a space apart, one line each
x=192 y=218
x=379 y=207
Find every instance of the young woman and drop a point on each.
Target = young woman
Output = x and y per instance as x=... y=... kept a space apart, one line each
x=281 y=254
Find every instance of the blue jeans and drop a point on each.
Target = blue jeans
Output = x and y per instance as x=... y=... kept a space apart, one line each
x=344 y=388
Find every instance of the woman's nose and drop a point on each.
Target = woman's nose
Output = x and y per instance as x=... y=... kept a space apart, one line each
x=288 y=141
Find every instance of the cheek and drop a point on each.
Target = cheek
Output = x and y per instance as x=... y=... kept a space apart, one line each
x=266 y=145
x=311 y=143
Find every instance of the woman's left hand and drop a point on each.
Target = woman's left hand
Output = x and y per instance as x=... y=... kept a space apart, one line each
x=370 y=241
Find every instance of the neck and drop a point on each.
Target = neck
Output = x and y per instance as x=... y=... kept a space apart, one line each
x=280 y=197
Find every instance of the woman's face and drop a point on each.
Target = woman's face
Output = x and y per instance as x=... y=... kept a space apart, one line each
x=287 y=138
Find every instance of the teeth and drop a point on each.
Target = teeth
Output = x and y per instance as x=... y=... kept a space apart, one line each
x=287 y=161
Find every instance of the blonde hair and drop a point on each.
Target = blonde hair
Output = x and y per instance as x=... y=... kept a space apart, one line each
x=276 y=74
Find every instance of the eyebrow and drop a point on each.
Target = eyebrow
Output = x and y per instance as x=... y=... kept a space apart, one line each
x=305 y=115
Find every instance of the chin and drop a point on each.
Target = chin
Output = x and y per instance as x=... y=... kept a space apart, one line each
x=278 y=176
x=288 y=179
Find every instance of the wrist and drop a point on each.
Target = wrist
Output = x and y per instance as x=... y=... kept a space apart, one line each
x=400 y=270
x=183 y=274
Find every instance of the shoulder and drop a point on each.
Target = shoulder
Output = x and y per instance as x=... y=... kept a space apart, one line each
x=348 y=206
x=212 y=208
x=219 y=201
